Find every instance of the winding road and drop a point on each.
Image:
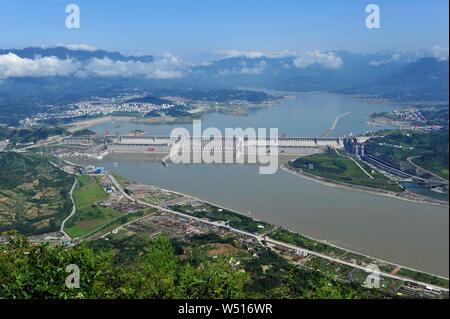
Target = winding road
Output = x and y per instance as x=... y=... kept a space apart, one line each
x=410 y=160
x=74 y=210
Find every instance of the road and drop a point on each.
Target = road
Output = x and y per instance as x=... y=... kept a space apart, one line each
x=74 y=210
x=362 y=168
x=410 y=160
x=342 y=262
x=50 y=141
x=266 y=239
x=400 y=173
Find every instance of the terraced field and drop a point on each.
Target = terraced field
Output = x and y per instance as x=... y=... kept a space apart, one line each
x=34 y=195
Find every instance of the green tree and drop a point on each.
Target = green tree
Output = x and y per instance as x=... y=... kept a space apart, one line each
x=212 y=279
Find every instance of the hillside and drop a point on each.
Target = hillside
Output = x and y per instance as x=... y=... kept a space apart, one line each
x=34 y=195
x=141 y=268
x=29 y=135
x=424 y=80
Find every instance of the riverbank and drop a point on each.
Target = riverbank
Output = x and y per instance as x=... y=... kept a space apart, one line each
x=312 y=245
x=383 y=120
x=86 y=124
x=406 y=195
x=358 y=221
x=200 y=109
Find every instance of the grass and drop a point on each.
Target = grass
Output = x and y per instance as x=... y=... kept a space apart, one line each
x=429 y=149
x=90 y=215
x=420 y=276
x=342 y=169
x=121 y=180
x=432 y=166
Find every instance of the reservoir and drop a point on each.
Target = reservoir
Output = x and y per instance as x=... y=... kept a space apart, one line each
x=410 y=234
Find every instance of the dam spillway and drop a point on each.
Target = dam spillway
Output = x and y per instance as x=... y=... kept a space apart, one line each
x=164 y=144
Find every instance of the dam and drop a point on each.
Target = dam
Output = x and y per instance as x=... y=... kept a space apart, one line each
x=229 y=149
x=165 y=144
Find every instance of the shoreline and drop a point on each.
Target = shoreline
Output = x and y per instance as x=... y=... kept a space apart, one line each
x=295 y=232
x=86 y=124
x=200 y=110
x=323 y=241
x=368 y=190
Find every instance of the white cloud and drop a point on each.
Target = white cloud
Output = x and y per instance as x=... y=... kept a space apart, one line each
x=12 y=65
x=440 y=53
x=255 y=54
x=84 y=47
x=327 y=60
x=257 y=69
x=165 y=67
x=244 y=69
x=245 y=54
x=165 y=74
x=394 y=58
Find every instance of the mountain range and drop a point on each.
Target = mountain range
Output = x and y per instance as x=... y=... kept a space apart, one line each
x=33 y=79
x=76 y=54
x=405 y=77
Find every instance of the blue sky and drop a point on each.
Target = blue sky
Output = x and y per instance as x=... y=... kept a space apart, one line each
x=197 y=27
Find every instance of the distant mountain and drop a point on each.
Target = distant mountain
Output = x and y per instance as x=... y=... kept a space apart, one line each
x=397 y=76
x=424 y=80
x=303 y=71
x=80 y=55
x=389 y=75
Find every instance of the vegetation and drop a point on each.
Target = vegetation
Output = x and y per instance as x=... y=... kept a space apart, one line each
x=83 y=132
x=429 y=149
x=342 y=169
x=90 y=214
x=150 y=99
x=136 y=267
x=176 y=111
x=435 y=115
x=232 y=219
x=216 y=95
x=301 y=241
x=34 y=195
x=31 y=135
x=38 y=271
x=420 y=276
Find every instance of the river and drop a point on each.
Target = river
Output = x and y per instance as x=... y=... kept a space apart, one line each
x=410 y=234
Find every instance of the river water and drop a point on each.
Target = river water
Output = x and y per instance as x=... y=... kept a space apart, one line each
x=414 y=235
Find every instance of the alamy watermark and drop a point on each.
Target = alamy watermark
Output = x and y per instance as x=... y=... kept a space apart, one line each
x=373 y=20
x=73 y=279
x=73 y=19
x=234 y=146
x=373 y=279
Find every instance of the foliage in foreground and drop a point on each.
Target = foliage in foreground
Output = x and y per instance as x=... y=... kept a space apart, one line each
x=39 y=271
x=137 y=267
